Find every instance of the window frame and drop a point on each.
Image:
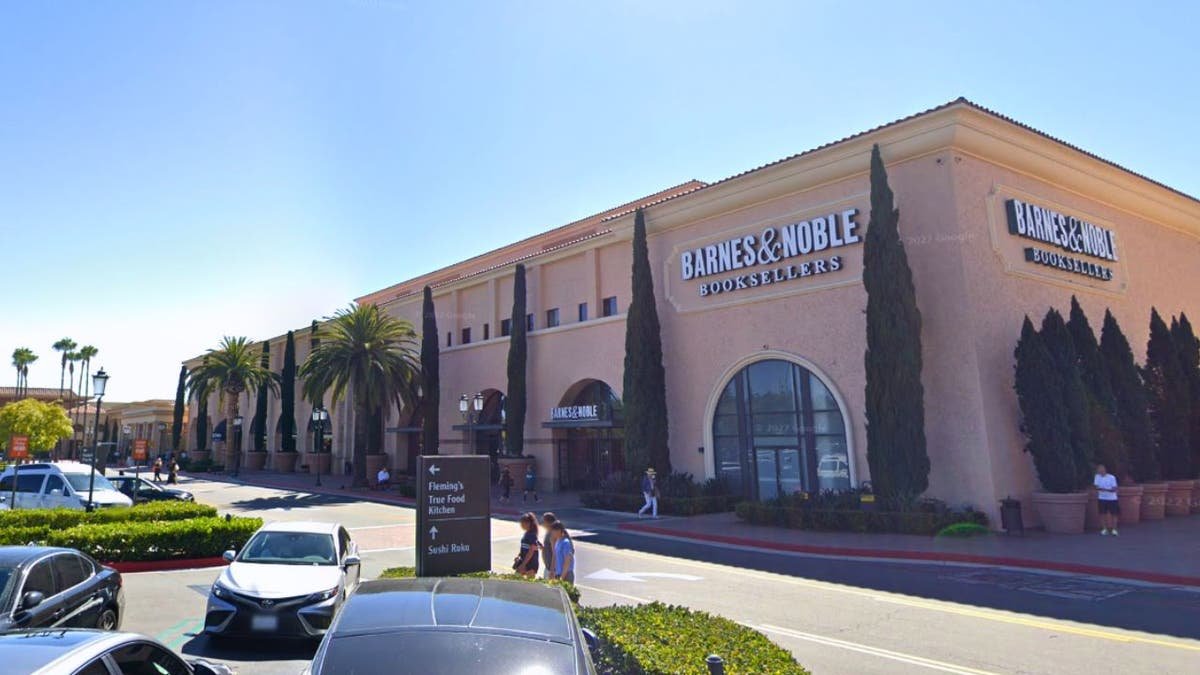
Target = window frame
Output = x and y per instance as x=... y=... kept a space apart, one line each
x=608 y=306
x=583 y=312
x=552 y=317
x=505 y=327
x=466 y=336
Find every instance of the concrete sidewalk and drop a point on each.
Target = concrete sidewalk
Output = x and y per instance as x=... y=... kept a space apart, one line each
x=1163 y=552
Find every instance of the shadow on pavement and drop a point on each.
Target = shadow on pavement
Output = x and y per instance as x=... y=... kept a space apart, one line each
x=290 y=501
x=256 y=649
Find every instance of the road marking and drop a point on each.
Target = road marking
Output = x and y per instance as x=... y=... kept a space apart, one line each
x=641 y=601
x=873 y=651
x=613 y=575
x=164 y=635
x=380 y=527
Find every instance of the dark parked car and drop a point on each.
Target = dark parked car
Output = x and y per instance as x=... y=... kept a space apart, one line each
x=93 y=652
x=141 y=490
x=449 y=626
x=57 y=587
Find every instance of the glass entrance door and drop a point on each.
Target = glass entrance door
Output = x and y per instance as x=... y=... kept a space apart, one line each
x=780 y=471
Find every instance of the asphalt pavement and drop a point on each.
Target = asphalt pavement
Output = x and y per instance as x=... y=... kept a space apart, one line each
x=835 y=615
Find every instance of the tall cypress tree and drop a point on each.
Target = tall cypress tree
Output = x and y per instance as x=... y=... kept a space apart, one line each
x=514 y=400
x=1106 y=443
x=287 y=396
x=1168 y=396
x=177 y=414
x=258 y=427
x=1188 y=347
x=1039 y=386
x=644 y=389
x=202 y=424
x=1058 y=342
x=431 y=384
x=895 y=410
x=1129 y=394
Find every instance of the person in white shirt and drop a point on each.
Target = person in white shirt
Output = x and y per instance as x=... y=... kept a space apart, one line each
x=1106 y=494
x=383 y=479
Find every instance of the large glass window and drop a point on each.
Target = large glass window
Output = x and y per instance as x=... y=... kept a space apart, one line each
x=778 y=430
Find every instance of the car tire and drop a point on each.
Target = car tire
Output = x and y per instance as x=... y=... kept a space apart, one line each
x=108 y=619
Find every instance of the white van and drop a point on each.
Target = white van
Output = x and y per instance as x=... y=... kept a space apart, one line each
x=58 y=485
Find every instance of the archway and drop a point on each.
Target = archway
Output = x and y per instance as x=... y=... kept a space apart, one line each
x=779 y=428
x=587 y=431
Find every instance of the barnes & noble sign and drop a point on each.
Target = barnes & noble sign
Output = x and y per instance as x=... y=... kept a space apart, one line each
x=1068 y=243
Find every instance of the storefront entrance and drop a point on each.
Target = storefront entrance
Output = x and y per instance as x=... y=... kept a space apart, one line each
x=588 y=441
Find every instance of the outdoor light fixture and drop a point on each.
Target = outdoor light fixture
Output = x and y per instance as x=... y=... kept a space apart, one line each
x=99 y=381
x=462 y=404
x=237 y=444
x=478 y=403
x=319 y=417
x=470 y=406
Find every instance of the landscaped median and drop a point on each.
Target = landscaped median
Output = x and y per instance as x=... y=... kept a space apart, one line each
x=658 y=639
x=171 y=532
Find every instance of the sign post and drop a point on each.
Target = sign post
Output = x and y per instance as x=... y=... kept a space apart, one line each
x=18 y=449
x=454 y=508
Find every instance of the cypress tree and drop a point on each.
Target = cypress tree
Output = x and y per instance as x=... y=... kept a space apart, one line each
x=1057 y=340
x=514 y=401
x=431 y=386
x=1189 y=359
x=287 y=396
x=1105 y=443
x=258 y=429
x=177 y=414
x=1039 y=386
x=202 y=424
x=644 y=390
x=895 y=405
x=1129 y=394
x=1167 y=394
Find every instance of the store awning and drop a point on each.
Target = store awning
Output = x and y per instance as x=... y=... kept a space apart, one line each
x=581 y=424
x=478 y=427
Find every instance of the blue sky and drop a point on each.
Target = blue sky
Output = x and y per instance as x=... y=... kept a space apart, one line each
x=172 y=171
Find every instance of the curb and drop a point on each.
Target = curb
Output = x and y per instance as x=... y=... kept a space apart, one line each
x=131 y=566
x=923 y=556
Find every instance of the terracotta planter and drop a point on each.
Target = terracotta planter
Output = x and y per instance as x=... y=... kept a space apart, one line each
x=254 y=461
x=1179 y=497
x=517 y=466
x=1061 y=513
x=1091 y=521
x=1196 y=497
x=318 y=459
x=1154 y=501
x=284 y=462
x=374 y=464
x=1130 y=498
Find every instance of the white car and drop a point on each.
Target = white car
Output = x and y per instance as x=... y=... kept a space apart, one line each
x=289 y=580
x=59 y=485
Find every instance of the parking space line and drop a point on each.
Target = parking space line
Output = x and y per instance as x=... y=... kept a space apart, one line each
x=614 y=593
x=873 y=651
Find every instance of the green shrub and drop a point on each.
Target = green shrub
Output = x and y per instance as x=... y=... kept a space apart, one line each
x=926 y=520
x=156 y=540
x=20 y=536
x=663 y=639
x=63 y=518
x=675 y=506
x=410 y=572
x=964 y=530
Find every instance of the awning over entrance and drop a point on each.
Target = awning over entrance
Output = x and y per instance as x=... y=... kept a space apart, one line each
x=478 y=427
x=581 y=424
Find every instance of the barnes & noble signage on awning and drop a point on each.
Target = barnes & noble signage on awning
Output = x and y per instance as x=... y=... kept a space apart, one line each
x=1068 y=238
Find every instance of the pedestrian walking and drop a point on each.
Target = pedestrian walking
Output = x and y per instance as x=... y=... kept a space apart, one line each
x=506 y=484
x=564 y=553
x=650 y=493
x=158 y=469
x=548 y=521
x=173 y=473
x=1106 y=497
x=526 y=562
x=531 y=483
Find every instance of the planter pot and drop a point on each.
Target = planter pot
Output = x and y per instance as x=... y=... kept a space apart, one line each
x=1196 y=497
x=199 y=456
x=318 y=459
x=1154 y=501
x=284 y=462
x=1061 y=513
x=254 y=461
x=517 y=466
x=374 y=464
x=1179 y=497
x=1091 y=521
x=1130 y=498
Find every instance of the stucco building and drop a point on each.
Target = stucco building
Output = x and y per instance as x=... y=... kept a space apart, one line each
x=758 y=281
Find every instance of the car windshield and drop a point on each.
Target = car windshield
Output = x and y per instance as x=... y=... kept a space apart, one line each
x=289 y=548
x=79 y=481
x=7 y=579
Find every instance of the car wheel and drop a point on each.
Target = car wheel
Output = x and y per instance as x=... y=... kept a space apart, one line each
x=107 y=619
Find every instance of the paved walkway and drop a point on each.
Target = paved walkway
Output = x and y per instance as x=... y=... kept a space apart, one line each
x=1164 y=552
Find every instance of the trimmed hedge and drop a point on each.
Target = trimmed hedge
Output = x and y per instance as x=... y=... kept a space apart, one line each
x=850 y=520
x=59 y=519
x=20 y=536
x=675 y=506
x=658 y=639
x=411 y=572
x=156 y=540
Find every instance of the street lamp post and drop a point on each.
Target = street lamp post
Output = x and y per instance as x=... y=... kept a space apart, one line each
x=99 y=382
x=237 y=444
x=470 y=407
x=319 y=417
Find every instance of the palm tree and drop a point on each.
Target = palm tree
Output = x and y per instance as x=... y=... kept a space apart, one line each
x=21 y=358
x=230 y=369
x=369 y=356
x=86 y=353
x=65 y=345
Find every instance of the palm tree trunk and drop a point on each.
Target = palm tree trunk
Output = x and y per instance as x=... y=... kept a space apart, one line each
x=232 y=434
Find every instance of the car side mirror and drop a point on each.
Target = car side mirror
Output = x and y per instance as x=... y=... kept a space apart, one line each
x=351 y=560
x=592 y=640
x=229 y=555
x=32 y=599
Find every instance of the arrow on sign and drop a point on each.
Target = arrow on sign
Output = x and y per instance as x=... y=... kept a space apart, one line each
x=433 y=532
x=433 y=470
x=613 y=575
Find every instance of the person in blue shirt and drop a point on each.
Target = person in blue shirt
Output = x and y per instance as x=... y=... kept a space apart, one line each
x=650 y=492
x=564 y=553
x=531 y=484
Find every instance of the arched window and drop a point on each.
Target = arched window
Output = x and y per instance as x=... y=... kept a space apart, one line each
x=778 y=430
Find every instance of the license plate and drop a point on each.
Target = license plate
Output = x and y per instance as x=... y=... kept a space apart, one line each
x=264 y=622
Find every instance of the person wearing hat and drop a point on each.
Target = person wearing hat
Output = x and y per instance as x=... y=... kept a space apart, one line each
x=650 y=492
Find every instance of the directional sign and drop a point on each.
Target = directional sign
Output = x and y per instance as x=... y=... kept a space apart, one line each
x=18 y=447
x=454 y=509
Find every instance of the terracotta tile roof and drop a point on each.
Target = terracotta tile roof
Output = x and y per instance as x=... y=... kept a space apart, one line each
x=35 y=392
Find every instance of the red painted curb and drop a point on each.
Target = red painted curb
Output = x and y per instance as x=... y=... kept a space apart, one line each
x=1050 y=565
x=165 y=565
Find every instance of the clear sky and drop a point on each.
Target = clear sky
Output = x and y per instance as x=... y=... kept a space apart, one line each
x=172 y=171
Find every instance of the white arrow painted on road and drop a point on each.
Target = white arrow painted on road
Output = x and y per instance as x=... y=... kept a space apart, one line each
x=433 y=532
x=433 y=470
x=640 y=577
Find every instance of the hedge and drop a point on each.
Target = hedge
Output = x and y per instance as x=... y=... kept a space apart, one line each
x=658 y=639
x=63 y=518
x=675 y=506
x=20 y=536
x=850 y=520
x=411 y=572
x=156 y=540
